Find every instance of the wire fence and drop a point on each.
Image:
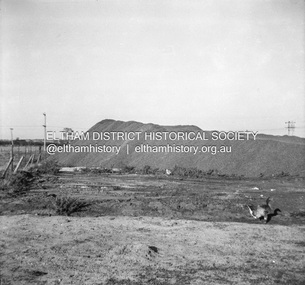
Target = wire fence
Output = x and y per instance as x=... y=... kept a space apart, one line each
x=17 y=157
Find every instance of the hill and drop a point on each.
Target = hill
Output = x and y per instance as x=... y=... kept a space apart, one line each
x=111 y=143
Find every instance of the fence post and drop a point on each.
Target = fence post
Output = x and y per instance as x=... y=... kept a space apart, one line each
x=39 y=155
x=12 y=153
x=39 y=158
x=16 y=169
x=7 y=167
x=33 y=157
x=28 y=162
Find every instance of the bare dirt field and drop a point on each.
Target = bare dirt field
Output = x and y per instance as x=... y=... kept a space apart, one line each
x=140 y=229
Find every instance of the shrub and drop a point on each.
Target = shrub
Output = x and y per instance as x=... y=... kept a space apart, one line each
x=147 y=169
x=128 y=169
x=190 y=172
x=20 y=182
x=84 y=170
x=66 y=205
x=96 y=170
x=48 y=167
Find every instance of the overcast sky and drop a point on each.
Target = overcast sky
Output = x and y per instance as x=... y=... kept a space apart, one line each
x=217 y=64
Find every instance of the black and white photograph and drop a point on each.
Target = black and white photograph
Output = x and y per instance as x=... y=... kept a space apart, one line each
x=152 y=142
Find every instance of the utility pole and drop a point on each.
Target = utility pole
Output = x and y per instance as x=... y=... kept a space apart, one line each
x=290 y=127
x=45 y=132
x=12 y=152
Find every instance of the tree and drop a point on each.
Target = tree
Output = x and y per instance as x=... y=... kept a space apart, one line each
x=67 y=134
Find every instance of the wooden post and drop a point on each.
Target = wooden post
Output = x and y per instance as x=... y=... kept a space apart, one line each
x=25 y=152
x=18 y=165
x=28 y=162
x=12 y=152
x=7 y=167
x=39 y=156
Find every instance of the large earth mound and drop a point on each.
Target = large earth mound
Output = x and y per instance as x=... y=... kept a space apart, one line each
x=140 y=145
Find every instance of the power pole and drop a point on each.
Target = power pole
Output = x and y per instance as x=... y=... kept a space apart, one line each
x=12 y=151
x=45 y=132
x=290 y=127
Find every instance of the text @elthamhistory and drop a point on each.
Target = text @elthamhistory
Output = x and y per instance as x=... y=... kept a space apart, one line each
x=141 y=148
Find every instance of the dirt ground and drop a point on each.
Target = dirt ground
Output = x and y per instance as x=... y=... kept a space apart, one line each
x=155 y=230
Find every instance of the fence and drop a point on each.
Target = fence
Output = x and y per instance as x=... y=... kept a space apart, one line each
x=14 y=158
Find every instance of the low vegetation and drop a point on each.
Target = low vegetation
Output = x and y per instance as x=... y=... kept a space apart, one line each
x=48 y=167
x=177 y=171
x=147 y=169
x=193 y=172
x=18 y=183
x=66 y=205
x=21 y=182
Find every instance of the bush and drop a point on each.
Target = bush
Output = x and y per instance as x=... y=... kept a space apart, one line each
x=117 y=188
x=96 y=170
x=20 y=182
x=147 y=169
x=190 y=172
x=128 y=169
x=66 y=205
x=48 y=167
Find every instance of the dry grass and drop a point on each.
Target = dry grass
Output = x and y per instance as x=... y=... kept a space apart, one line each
x=108 y=250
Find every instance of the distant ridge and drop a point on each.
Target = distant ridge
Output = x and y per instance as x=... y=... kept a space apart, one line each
x=267 y=154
